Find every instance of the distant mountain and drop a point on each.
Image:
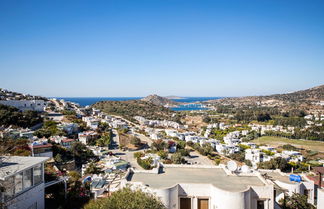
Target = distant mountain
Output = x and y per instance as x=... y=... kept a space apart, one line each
x=312 y=94
x=158 y=100
x=174 y=97
x=303 y=97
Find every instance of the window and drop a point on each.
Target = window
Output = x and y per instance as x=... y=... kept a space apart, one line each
x=28 y=178
x=38 y=174
x=260 y=204
x=18 y=182
x=185 y=203
x=307 y=193
x=203 y=204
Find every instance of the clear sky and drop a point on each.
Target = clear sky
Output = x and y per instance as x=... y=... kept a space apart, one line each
x=166 y=47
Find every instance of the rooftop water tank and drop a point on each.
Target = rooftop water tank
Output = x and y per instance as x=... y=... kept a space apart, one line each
x=296 y=178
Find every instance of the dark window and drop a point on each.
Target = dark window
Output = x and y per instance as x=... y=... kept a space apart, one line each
x=307 y=193
x=185 y=203
x=260 y=204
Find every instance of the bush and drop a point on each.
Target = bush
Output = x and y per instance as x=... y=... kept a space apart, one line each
x=146 y=164
x=217 y=161
x=276 y=163
x=181 y=145
x=135 y=141
x=238 y=156
x=138 y=154
x=162 y=154
x=159 y=144
x=126 y=199
x=177 y=158
x=184 y=152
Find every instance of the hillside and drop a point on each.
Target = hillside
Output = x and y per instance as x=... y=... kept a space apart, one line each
x=304 y=99
x=11 y=116
x=158 y=100
x=131 y=108
x=312 y=94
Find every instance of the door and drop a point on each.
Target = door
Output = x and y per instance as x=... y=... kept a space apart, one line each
x=260 y=204
x=202 y=203
x=185 y=203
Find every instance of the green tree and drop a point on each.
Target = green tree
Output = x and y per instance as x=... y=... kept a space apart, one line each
x=163 y=154
x=127 y=199
x=177 y=158
x=296 y=201
x=58 y=158
x=159 y=145
x=135 y=141
x=92 y=169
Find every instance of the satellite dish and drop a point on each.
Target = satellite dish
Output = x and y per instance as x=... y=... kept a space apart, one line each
x=232 y=166
x=245 y=169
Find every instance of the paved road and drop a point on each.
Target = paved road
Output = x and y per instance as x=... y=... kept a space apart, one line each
x=125 y=155
x=115 y=139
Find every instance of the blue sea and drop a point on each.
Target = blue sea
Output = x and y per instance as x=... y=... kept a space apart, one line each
x=84 y=101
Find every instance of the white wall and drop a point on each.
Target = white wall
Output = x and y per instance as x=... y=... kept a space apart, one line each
x=218 y=198
x=320 y=198
x=26 y=104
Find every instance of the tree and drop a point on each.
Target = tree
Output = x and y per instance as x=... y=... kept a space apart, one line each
x=58 y=158
x=296 y=201
x=127 y=199
x=162 y=154
x=159 y=144
x=276 y=163
x=135 y=141
x=92 y=169
x=177 y=158
x=206 y=119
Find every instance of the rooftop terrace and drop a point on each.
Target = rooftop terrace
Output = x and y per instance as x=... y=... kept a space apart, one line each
x=214 y=176
x=13 y=164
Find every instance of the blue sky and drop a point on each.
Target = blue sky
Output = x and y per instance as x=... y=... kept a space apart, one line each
x=166 y=47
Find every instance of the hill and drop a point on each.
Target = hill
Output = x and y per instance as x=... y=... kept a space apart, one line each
x=158 y=100
x=132 y=108
x=11 y=116
x=303 y=99
x=174 y=97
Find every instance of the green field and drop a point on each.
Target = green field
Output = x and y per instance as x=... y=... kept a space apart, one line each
x=279 y=141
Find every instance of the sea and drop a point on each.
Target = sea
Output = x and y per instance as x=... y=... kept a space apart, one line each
x=84 y=101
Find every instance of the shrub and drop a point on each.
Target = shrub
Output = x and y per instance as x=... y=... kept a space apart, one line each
x=162 y=154
x=135 y=141
x=146 y=164
x=184 y=152
x=177 y=158
x=126 y=199
x=138 y=154
x=217 y=161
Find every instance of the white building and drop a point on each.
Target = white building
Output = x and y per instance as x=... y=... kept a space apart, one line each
x=85 y=137
x=23 y=182
x=281 y=180
x=41 y=149
x=205 y=188
x=36 y=105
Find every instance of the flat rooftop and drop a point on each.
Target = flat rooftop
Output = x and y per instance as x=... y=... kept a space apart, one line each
x=276 y=176
x=14 y=164
x=214 y=176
